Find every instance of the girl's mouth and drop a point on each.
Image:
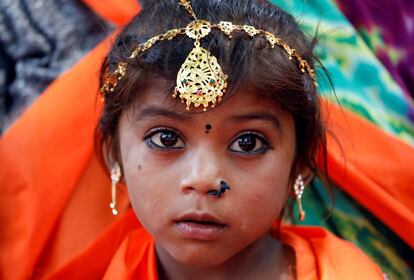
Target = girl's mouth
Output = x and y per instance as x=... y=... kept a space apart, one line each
x=200 y=226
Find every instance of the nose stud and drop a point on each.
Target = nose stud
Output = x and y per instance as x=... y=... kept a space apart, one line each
x=223 y=188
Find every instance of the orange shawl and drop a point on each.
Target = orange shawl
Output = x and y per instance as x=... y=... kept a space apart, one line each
x=54 y=215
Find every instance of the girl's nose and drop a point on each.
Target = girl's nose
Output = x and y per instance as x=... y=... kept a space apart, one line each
x=202 y=173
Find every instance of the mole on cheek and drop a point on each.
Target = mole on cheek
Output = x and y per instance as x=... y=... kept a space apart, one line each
x=139 y=167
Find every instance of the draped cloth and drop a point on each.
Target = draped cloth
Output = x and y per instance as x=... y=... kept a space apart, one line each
x=54 y=216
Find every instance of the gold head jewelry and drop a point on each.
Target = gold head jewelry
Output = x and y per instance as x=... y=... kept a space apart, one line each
x=200 y=80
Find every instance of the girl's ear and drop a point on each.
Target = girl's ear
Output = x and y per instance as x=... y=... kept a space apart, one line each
x=307 y=175
x=306 y=172
x=112 y=156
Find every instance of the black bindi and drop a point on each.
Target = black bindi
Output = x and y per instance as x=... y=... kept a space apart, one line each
x=208 y=128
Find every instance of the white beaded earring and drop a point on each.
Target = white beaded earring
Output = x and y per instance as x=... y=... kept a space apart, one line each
x=299 y=186
x=115 y=177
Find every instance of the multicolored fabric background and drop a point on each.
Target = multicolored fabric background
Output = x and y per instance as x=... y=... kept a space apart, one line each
x=368 y=50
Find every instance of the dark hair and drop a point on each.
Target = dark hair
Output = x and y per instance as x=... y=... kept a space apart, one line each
x=247 y=61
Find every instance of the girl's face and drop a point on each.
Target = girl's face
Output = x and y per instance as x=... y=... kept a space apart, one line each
x=172 y=159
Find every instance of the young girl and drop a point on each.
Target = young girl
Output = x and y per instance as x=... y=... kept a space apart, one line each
x=208 y=184
x=211 y=124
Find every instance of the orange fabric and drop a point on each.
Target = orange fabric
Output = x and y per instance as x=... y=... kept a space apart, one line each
x=322 y=255
x=374 y=168
x=118 y=12
x=102 y=257
x=57 y=204
x=44 y=156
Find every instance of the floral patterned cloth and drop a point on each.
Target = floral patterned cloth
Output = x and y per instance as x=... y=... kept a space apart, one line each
x=387 y=27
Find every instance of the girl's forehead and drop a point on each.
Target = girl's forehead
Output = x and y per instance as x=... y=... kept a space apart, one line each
x=156 y=99
x=243 y=106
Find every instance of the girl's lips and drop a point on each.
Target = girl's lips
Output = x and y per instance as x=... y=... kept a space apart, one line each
x=200 y=226
x=200 y=230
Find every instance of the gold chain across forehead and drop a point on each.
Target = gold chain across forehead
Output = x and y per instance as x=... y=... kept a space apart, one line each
x=200 y=80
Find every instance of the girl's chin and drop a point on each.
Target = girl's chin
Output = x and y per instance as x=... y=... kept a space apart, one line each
x=199 y=259
x=202 y=262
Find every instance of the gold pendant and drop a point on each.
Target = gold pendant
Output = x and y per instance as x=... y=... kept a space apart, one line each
x=200 y=80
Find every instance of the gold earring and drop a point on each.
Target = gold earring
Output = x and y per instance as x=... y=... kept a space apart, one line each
x=115 y=176
x=299 y=186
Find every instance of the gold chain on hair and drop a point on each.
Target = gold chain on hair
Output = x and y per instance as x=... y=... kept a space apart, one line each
x=200 y=80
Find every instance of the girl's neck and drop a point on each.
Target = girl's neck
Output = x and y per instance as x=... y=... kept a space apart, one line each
x=267 y=258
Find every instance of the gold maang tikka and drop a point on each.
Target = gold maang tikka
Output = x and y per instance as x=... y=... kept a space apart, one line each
x=200 y=80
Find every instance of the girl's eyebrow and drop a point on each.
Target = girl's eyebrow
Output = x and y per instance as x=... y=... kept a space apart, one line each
x=263 y=116
x=155 y=111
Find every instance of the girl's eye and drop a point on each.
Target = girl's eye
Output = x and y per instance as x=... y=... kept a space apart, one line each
x=249 y=143
x=165 y=139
